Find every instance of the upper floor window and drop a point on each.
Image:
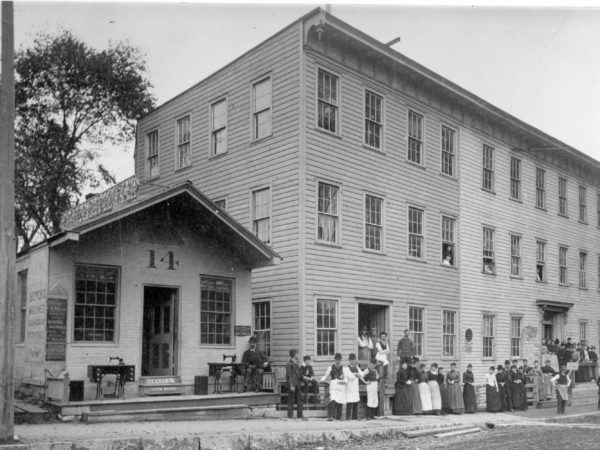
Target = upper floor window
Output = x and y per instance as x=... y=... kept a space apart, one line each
x=582 y=204
x=562 y=197
x=448 y=241
x=95 y=303
x=515 y=178
x=489 y=256
x=183 y=142
x=221 y=203
x=261 y=214
x=540 y=261
x=373 y=222
x=328 y=215
x=415 y=137
x=218 y=125
x=540 y=188
x=582 y=270
x=261 y=109
x=373 y=119
x=152 y=154
x=562 y=265
x=487 y=181
x=415 y=232
x=515 y=255
x=327 y=93
x=448 y=151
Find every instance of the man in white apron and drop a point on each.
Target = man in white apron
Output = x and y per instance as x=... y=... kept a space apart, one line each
x=353 y=374
x=337 y=388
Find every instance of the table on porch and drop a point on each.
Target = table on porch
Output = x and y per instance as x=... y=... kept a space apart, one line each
x=235 y=370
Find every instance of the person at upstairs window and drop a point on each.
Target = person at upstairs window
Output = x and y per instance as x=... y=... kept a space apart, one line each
x=336 y=376
x=406 y=348
x=255 y=361
x=294 y=385
x=383 y=351
x=365 y=345
x=561 y=382
x=310 y=383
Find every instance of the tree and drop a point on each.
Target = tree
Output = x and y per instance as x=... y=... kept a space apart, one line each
x=71 y=100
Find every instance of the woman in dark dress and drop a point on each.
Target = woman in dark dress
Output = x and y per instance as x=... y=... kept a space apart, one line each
x=516 y=388
x=492 y=400
x=402 y=399
x=441 y=379
x=523 y=388
x=415 y=395
x=469 y=398
x=455 y=398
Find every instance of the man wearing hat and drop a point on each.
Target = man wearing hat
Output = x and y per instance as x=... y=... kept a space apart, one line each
x=337 y=388
x=256 y=362
x=293 y=381
x=406 y=348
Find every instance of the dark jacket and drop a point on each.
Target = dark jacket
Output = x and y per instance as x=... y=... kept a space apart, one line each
x=292 y=374
x=254 y=358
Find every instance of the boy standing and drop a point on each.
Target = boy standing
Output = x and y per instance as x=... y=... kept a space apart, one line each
x=308 y=378
x=370 y=376
x=561 y=382
x=294 y=384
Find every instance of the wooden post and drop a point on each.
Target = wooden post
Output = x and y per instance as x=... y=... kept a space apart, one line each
x=7 y=225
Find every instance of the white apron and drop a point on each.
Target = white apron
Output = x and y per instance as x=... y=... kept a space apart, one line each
x=352 y=393
x=337 y=392
x=372 y=395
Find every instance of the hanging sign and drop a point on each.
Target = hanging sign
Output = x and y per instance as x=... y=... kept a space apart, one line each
x=56 y=329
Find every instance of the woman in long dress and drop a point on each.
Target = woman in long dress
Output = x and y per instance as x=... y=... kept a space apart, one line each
x=492 y=401
x=469 y=398
x=441 y=379
x=455 y=398
x=434 y=389
x=424 y=391
x=538 y=385
x=415 y=394
x=516 y=388
x=523 y=389
x=402 y=399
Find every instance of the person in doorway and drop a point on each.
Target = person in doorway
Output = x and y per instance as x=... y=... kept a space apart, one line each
x=255 y=361
x=365 y=345
x=310 y=383
x=294 y=385
x=469 y=398
x=455 y=398
x=353 y=375
x=383 y=350
x=561 y=382
x=370 y=376
x=374 y=340
x=492 y=401
x=336 y=376
x=406 y=348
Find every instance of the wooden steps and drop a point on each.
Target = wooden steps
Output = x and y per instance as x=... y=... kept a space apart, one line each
x=222 y=412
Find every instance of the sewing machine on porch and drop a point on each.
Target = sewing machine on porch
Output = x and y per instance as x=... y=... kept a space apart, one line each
x=123 y=373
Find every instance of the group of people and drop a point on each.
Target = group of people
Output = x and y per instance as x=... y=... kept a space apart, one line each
x=568 y=351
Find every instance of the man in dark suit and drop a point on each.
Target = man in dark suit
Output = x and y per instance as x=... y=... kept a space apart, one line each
x=256 y=361
x=293 y=381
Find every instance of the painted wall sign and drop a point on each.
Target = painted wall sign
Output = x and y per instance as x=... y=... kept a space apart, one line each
x=36 y=325
x=242 y=330
x=56 y=329
x=120 y=193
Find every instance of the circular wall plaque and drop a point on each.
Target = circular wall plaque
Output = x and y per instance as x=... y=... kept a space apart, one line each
x=468 y=335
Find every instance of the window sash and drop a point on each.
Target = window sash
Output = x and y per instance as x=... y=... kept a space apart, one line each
x=488 y=336
x=216 y=310
x=515 y=178
x=562 y=262
x=373 y=119
x=327 y=105
x=541 y=261
x=262 y=325
x=582 y=270
x=152 y=158
x=328 y=219
x=540 y=188
x=562 y=196
x=415 y=137
x=261 y=214
x=448 y=143
x=582 y=204
x=373 y=222
x=488 y=248
x=219 y=127
x=262 y=108
x=515 y=256
x=326 y=327
x=515 y=336
x=583 y=333
x=448 y=333
x=415 y=232
x=488 y=168
x=183 y=141
x=416 y=327
x=22 y=299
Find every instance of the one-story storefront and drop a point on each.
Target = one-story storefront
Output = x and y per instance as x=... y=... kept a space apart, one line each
x=161 y=281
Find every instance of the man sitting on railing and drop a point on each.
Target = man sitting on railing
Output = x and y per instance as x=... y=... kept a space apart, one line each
x=256 y=361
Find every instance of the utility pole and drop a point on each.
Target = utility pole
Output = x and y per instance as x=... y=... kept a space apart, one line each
x=7 y=224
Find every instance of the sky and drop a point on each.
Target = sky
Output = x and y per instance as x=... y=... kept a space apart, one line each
x=540 y=64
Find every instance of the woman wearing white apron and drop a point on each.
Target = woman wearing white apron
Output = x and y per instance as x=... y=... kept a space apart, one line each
x=424 y=391
x=337 y=388
x=434 y=389
x=371 y=376
x=353 y=374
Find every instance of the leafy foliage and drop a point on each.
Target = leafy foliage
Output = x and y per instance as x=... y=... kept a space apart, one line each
x=71 y=100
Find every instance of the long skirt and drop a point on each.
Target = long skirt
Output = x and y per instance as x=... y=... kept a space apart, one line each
x=548 y=388
x=436 y=396
x=444 y=395
x=455 y=398
x=492 y=400
x=502 y=397
x=469 y=399
x=372 y=394
x=402 y=401
x=538 y=389
x=524 y=399
x=425 y=397
x=415 y=397
x=517 y=397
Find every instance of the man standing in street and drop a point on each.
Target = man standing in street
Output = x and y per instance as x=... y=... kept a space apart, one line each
x=406 y=348
x=294 y=384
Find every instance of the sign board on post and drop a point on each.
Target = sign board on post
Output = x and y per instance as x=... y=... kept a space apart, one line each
x=56 y=329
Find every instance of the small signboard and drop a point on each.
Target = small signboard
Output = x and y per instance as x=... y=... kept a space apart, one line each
x=572 y=366
x=56 y=329
x=242 y=330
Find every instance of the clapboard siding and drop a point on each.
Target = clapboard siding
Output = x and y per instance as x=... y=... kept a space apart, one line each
x=348 y=272
x=247 y=165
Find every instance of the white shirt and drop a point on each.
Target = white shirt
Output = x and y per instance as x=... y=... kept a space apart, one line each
x=382 y=355
x=490 y=380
